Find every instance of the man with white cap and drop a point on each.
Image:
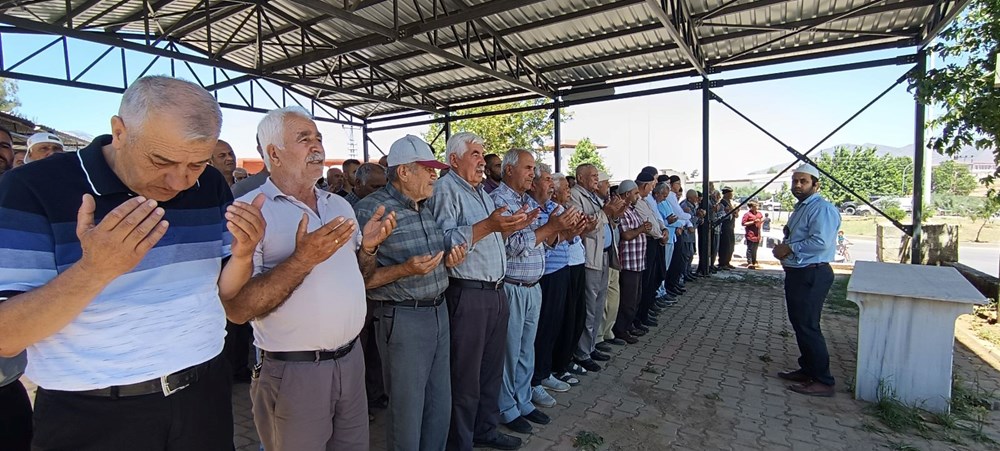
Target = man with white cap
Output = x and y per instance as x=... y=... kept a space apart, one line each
x=41 y=146
x=806 y=252
x=407 y=289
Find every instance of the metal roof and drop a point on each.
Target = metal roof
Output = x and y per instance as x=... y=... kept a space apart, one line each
x=370 y=58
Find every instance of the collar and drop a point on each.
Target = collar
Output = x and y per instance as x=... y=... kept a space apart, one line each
x=808 y=200
x=478 y=189
x=95 y=167
x=273 y=192
x=400 y=197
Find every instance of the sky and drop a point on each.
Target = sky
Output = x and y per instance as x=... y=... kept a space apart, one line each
x=662 y=130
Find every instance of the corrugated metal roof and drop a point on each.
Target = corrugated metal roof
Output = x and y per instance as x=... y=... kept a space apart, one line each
x=353 y=53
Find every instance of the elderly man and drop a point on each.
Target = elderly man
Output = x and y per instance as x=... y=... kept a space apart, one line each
x=369 y=177
x=239 y=175
x=727 y=240
x=661 y=194
x=597 y=245
x=575 y=314
x=408 y=291
x=605 y=336
x=306 y=300
x=6 y=150
x=696 y=223
x=493 y=174
x=810 y=244
x=124 y=330
x=632 y=254
x=335 y=181
x=525 y=266
x=477 y=306
x=41 y=146
x=224 y=159
x=652 y=274
x=350 y=169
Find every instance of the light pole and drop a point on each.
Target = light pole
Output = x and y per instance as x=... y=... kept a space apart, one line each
x=902 y=182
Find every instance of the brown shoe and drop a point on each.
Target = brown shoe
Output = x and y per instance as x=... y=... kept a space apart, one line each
x=813 y=389
x=795 y=376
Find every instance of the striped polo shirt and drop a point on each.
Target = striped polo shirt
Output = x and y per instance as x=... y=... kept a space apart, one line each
x=162 y=316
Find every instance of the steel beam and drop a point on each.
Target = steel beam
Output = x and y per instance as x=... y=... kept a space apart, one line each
x=556 y=137
x=140 y=14
x=680 y=29
x=705 y=234
x=919 y=150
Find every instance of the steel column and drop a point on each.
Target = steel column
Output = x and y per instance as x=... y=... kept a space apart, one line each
x=364 y=140
x=447 y=125
x=705 y=239
x=919 y=149
x=556 y=139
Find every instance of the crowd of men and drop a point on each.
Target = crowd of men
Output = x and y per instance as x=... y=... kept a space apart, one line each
x=460 y=302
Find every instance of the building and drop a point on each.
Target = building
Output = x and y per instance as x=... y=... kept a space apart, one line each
x=22 y=128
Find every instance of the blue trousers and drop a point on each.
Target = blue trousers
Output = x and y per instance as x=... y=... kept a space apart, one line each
x=519 y=359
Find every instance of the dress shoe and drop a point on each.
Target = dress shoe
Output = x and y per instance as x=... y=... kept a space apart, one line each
x=615 y=341
x=589 y=365
x=500 y=441
x=603 y=347
x=674 y=291
x=665 y=304
x=536 y=416
x=795 y=376
x=519 y=425
x=637 y=332
x=650 y=322
x=730 y=267
x=813 y=389
x=630 y=339
x=644 y=329
x=600 y=356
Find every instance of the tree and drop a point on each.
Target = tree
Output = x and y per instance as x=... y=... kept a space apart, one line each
x=963 y=85
x=502 y=132
x=952 y=178
x=586 y=152
x=987 y=212
x=865 y=172
x=786 y=198
x=746 y=191
x=8 y=95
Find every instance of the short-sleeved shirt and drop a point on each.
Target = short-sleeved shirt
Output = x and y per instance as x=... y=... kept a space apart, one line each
x=632 y=253
x=556 y=257
x=162 y=316
x=416 y=233
x=328 y=308
x=525 y=257
x=752 y=231
x=457 y=206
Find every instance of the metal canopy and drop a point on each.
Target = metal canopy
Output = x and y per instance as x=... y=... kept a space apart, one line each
x=366 y=59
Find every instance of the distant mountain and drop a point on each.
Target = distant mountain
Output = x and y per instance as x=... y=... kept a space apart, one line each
x=969 y=154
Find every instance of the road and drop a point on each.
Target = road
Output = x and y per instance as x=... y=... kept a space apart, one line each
x=982 y=256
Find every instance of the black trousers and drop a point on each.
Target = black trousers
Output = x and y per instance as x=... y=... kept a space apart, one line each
x=628 y=304
x=677 y=264
x=199 y=417
x=15 y=418
x=805 y=292
x=574 y=320
x=752 y=252
x=727 y=244
x=478 y=321
x=704 y=248
x=651 y=278
x=715 y=249
x=237 y=348
x=555 y=290
x=374 y=385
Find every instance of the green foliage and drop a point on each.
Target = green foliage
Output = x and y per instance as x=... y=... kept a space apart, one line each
x=8 y=95
x=785 y=196
x=950 y=177
x=948 y=204
x=987 y=212
x=586 y=152
x=745 y=191
x=502 y=132
x=865 y=172
x=588 y=441
x=962 y=87
x=892 y=210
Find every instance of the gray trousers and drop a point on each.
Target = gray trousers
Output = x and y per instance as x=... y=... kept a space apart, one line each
x=323 y=405
x=596 y=295
x=415 y=347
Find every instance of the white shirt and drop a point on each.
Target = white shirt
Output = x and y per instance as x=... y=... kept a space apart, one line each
x=675 y=204
x=328 y=309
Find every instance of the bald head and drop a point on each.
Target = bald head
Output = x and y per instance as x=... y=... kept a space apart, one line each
x=334 y=180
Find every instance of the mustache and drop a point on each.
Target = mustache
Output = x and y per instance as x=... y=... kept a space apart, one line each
x=315 y=158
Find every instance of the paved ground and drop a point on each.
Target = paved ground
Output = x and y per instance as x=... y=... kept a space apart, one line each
x=704 y=380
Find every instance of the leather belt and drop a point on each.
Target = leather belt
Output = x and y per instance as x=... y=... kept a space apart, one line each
x=476 y=284
x=521 y=284
x=414 y=303
x=809 y=266
x=167 y=385
x=311 y=356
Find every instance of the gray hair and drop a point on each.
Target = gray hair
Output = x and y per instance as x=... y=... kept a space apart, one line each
x=557 y=180
x=392 y=174
x=661 y=187
x=458 y=144
x=193 y=105
x=582 y=167
x=271 y=129
x=365 y=171
x=510 y=159
x=542 y=168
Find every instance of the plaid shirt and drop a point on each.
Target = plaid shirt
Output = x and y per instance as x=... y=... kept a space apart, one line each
x=632 y=253
x=525 y=259
x=416 y=233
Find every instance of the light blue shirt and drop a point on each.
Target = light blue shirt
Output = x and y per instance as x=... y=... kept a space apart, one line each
x=665 y=211
x=607 y=236
x=457 y=206
x=812 y=232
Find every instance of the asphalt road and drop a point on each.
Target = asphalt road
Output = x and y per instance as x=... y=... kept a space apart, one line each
x=984 y=257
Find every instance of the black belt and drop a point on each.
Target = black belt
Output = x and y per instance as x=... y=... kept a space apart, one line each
x=476 y=284
x=520 y=284
x=810 y=266
x=167 y=385
x=414 y=303
x=607 y=249
x=311 y=356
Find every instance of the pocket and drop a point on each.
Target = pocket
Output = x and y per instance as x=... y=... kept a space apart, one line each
x=387 y=322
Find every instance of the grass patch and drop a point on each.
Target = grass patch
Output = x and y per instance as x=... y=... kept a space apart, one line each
x=988 y=333
x=588 y=441
x=892 y=413
x=836 y=299
x=765 y=358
